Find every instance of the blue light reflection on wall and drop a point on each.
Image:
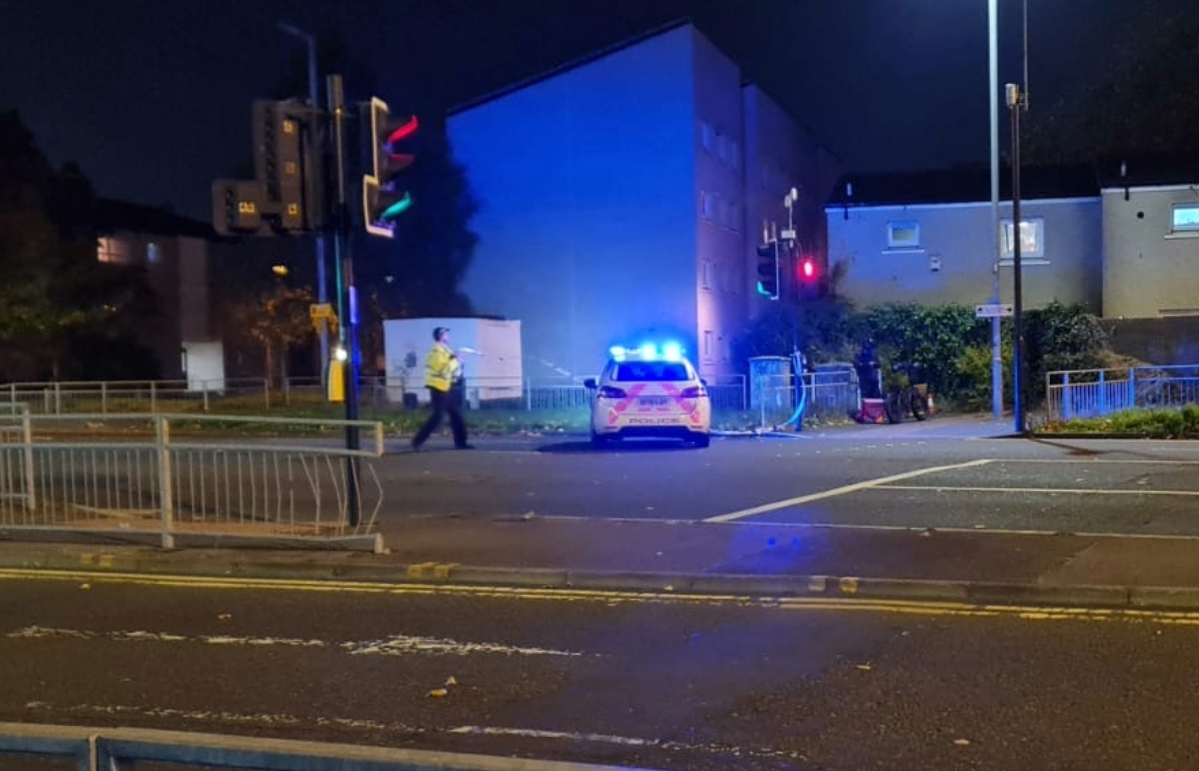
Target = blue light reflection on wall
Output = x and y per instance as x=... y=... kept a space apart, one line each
x=588 y=221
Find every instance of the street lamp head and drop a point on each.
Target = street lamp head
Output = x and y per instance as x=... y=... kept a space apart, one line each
x=294 y=31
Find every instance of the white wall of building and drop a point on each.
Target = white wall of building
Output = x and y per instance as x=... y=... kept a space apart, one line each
x=1150 y=270
x=588 y=207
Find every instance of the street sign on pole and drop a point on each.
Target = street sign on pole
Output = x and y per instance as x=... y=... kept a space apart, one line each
x=991 y=310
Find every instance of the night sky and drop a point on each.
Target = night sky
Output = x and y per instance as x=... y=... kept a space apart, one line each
x=152 y=97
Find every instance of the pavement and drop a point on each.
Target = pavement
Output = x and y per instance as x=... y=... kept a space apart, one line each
x=740 y=559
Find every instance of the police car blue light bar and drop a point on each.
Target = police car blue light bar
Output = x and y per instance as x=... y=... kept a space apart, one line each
x=670 y=351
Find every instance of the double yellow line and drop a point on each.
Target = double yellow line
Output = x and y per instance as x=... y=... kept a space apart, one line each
x=834 y=604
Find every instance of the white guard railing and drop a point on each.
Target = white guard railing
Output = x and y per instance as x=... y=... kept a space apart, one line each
x=157 y=475
x=155 y=396
x=114 y=749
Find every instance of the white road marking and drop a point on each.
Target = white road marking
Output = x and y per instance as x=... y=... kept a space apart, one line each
x=394 y=645
x=767 y=507
x=628 y=741
x=981 y=530
x=398 y=645
x=1101 y=461
x=1072 y=491
x=221 y=717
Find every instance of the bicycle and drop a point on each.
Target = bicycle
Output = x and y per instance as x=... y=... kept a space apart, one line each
x=907 y=398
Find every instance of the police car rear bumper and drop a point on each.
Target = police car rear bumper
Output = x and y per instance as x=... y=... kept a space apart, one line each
x=664 y=431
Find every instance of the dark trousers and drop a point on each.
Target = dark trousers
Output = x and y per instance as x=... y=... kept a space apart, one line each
x=442 y=402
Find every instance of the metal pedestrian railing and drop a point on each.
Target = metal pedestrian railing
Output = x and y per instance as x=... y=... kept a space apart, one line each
x=726 y=392
x=826 y=395
x=166 y=477
x=1093 y=393
x=379 y=393
x=113 y=749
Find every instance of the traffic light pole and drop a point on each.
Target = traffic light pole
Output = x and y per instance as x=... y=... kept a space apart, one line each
x=346 y=310
x=322 y=281
x=1016 y=104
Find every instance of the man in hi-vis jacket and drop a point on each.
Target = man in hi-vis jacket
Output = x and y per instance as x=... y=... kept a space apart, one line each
x=441 y=365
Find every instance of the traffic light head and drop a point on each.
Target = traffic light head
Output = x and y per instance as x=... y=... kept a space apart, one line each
x=809 y=279
x=768 y=270
x=237 y=206
x=383 y=198
x=277 y=161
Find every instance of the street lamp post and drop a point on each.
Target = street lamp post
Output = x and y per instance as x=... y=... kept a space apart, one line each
x=993 y=101
x=321 y=290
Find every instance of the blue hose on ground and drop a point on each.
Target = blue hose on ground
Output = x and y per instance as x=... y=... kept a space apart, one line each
x=801 y=394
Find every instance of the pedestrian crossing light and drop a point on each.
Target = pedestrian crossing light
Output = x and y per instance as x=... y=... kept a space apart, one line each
x=383 y=197
x=768 y=269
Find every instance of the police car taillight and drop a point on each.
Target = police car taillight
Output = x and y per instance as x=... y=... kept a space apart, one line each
x=692 y=392
x=610 y=392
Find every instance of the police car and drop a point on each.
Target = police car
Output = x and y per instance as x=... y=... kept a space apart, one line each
x=649 y=391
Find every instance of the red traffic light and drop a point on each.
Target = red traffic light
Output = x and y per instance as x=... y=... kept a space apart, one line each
x=403 y=131
x=807 y=269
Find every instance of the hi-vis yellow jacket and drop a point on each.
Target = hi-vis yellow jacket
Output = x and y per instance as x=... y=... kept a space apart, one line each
x=439 y=367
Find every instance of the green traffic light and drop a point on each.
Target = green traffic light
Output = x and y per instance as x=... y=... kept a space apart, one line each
x=397 y=208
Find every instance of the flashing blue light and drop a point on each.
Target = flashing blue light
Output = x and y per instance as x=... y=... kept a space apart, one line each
x=670 y=351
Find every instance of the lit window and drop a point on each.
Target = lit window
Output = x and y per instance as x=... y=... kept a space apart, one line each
x=112 y=250
x=1032 y=239
x=1186 y=217
x=904 y=234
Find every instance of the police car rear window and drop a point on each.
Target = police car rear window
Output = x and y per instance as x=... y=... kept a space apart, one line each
x=651 y=370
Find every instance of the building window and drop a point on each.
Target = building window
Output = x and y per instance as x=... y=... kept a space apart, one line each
x=903 y=234
x=112 y=250
x=1032 y=239
x=706 y=274
x=1186 y=218
x=708 y=340
x=153 y=253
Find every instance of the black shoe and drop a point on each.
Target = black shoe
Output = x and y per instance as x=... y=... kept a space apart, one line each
x=465 y=446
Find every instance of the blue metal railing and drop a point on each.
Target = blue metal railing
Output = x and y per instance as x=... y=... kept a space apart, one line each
x=1092 y=393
